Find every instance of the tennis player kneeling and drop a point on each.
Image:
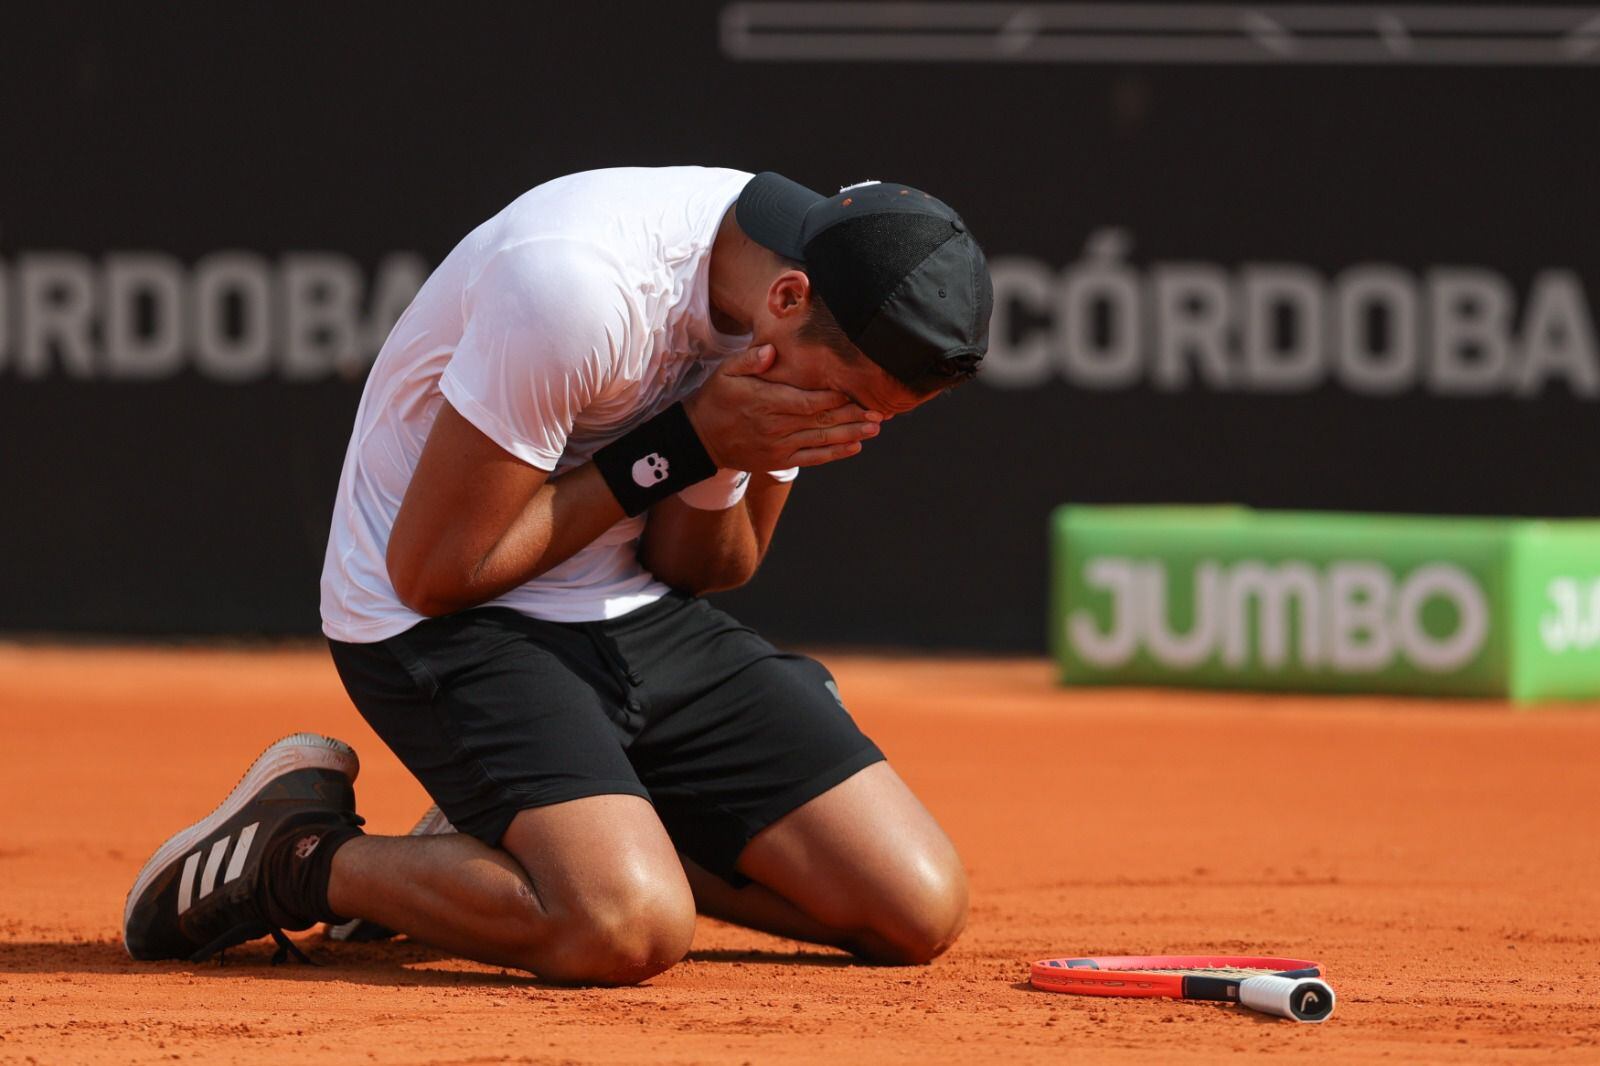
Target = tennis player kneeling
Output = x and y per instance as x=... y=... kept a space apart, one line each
x=592 y=413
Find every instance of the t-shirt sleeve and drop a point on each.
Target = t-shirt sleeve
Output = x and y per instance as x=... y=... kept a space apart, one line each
x=545 y=325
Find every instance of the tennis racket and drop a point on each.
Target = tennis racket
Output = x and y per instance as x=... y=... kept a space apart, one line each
x=1288 y=988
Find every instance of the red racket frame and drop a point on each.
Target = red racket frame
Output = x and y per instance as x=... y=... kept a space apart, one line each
x=1117 y=975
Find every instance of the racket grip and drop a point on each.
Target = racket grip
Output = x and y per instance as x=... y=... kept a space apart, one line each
x=1304 y=999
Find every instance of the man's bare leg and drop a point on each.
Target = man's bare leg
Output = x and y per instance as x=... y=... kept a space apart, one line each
x=758 y=907
x=863 y=866
x=588 y=891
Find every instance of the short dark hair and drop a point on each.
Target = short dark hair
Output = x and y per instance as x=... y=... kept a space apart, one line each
x=820 y=327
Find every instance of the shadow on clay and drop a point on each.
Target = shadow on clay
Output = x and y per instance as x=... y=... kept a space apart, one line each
x=779 y=958
x=382 y=964
x=399 y=962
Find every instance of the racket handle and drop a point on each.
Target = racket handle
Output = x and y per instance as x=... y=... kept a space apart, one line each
x=1304 y=999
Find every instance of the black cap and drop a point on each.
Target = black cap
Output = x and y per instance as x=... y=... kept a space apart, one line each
x=896 y=266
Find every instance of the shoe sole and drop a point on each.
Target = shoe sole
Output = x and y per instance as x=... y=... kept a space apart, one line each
x=432 y=823
x=301 y=751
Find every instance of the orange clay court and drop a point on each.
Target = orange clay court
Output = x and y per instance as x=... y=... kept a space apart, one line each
x=1440 y=858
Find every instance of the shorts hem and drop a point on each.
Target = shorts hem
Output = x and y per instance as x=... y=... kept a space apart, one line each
x=792 y=800
x=492 y=827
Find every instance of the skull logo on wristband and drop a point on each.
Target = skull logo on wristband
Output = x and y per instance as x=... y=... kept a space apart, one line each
x=650 y=470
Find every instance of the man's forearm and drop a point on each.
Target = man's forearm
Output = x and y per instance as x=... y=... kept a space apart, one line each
x=705 y=551
x=564 y=516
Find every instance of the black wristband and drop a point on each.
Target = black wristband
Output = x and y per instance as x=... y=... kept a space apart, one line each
x=661 y=457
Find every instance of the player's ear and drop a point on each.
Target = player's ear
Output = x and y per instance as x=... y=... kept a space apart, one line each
x=789 y=294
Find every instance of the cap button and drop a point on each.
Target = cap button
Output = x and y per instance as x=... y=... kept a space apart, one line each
x=957 y=226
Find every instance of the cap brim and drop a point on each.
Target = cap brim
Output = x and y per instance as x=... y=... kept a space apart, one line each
x=772 y=209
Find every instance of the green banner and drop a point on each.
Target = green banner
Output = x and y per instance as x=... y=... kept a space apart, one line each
x=1231 y=598
x=1555 y=606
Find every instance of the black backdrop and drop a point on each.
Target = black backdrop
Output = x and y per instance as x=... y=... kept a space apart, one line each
x=180 y=503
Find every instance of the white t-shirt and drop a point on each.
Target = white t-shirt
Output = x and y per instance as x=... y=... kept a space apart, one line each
x=568 y=319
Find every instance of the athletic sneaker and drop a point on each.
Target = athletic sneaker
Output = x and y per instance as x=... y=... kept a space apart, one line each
x=223 y=880
x=356 y=931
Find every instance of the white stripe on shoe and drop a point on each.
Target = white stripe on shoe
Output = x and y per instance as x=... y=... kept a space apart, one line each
x=236 y=864
x=186 y=887
x=208 y=880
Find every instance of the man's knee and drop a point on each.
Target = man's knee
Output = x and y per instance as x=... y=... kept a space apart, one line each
x=908 y=916
x=627 y=941
x=621 y=936
x=919 y=922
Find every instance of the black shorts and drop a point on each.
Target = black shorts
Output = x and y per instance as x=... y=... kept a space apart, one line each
x=678 y=703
